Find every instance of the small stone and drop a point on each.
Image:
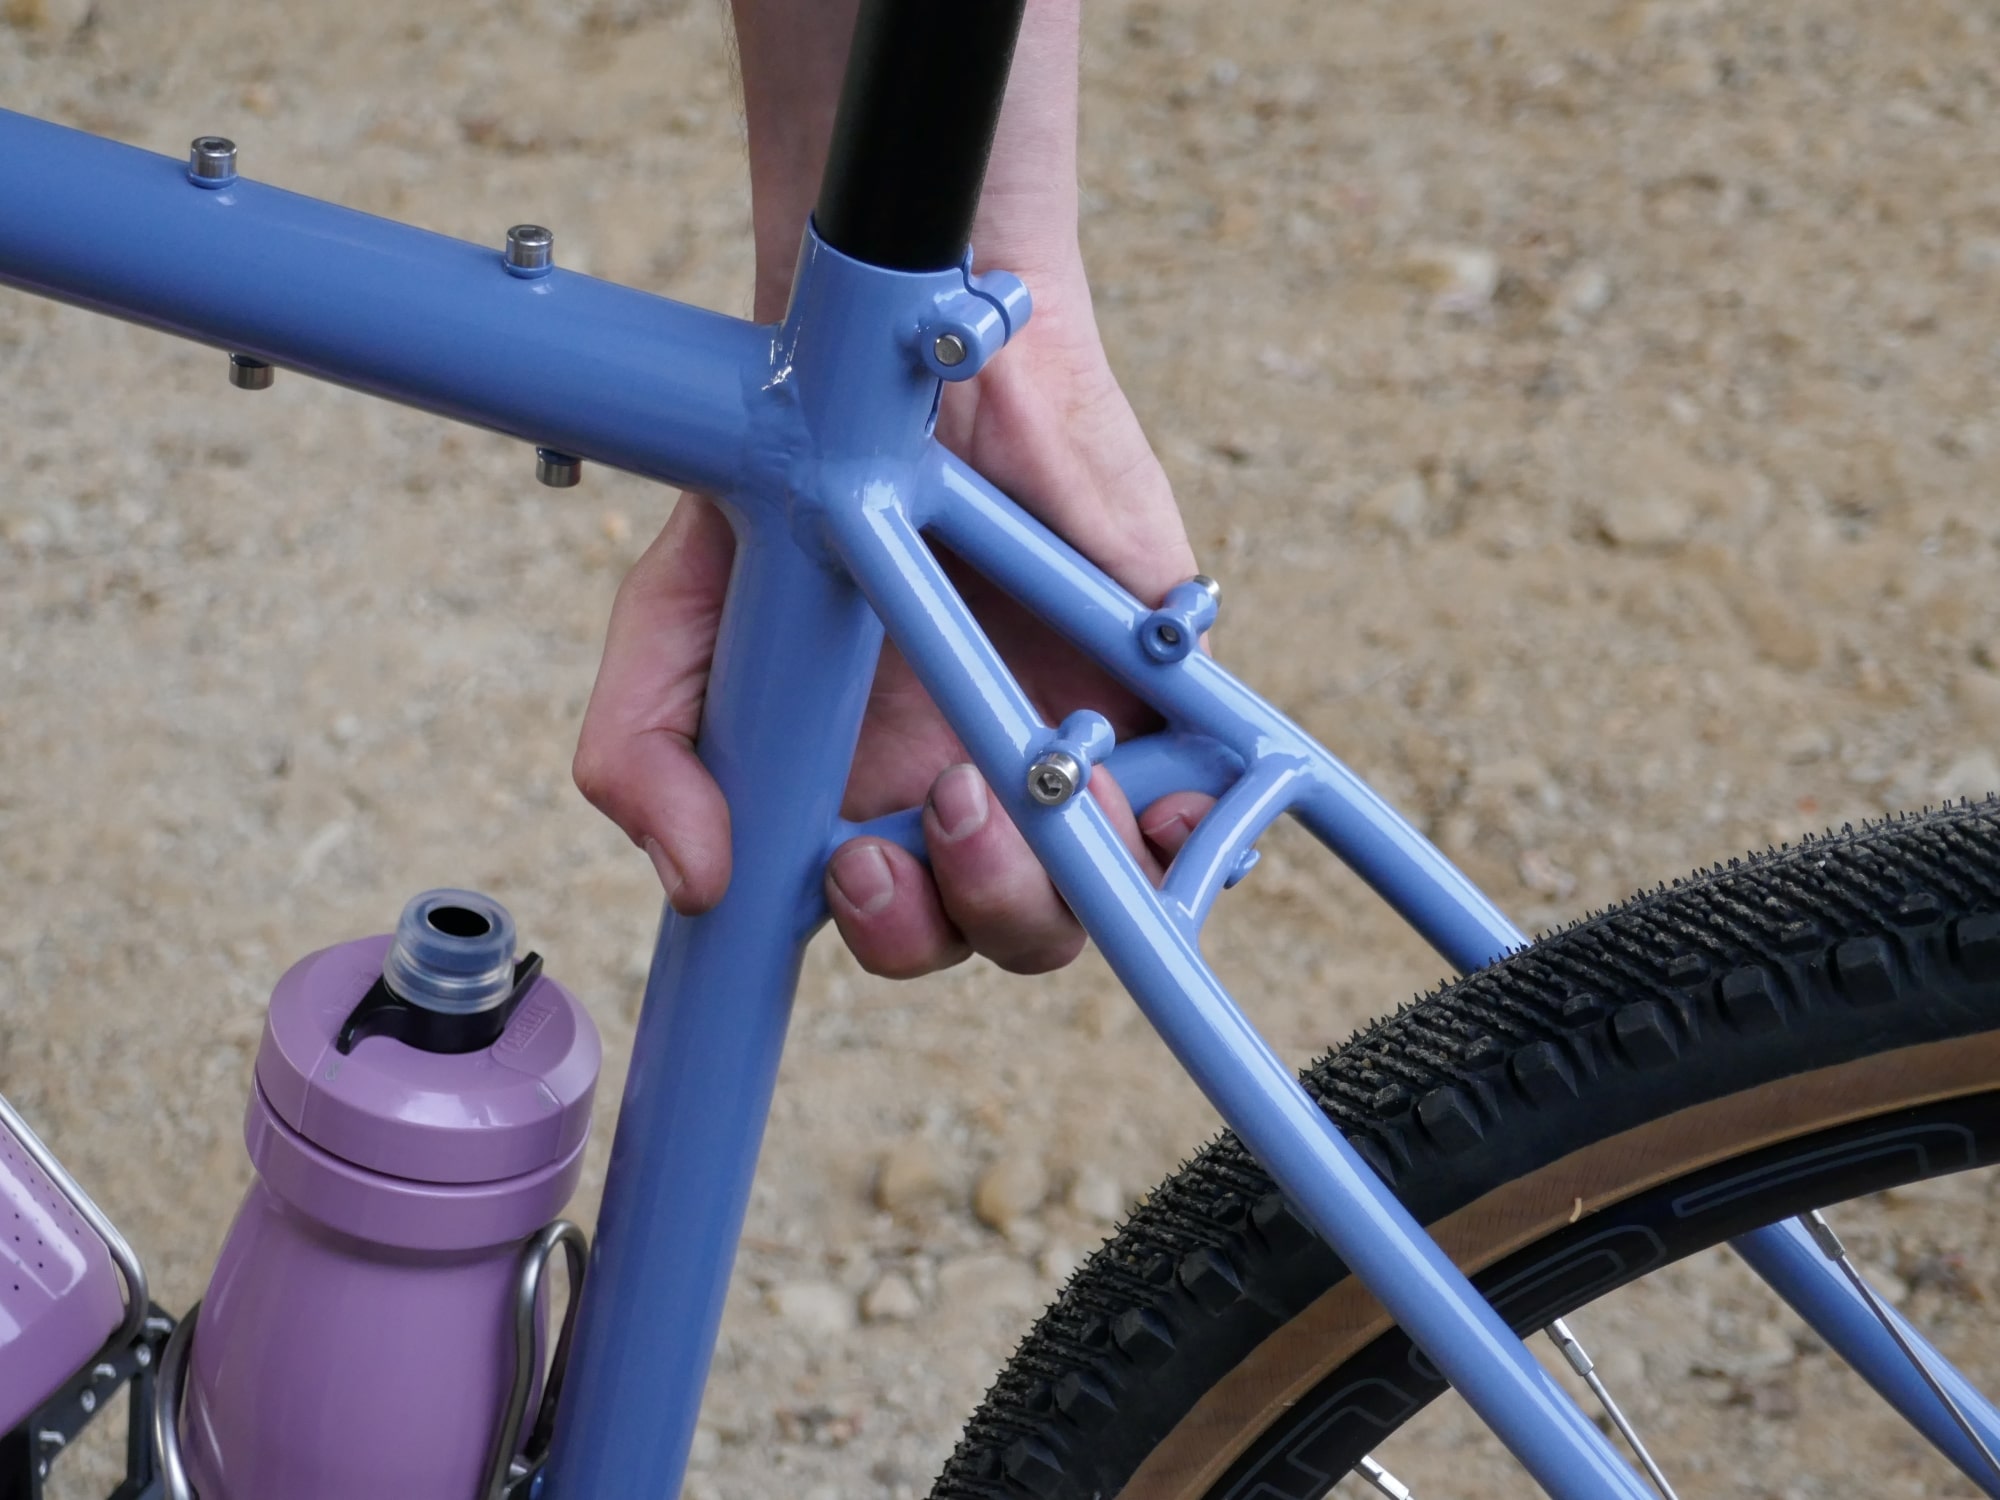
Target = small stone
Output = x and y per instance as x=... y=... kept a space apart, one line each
x=1805 y=744
x=1460 y=278
x=911 y=1176
x=988 y=1283
x=1643 y=522
x=616 y=526
x=1543 y=875
x=1400 y=506
x=1059 y=1262
x=1095 y=1194
x=814 y=1307
x=58 y=17
x=1582 y=295
x=1013 y=1187
x=891 y=1300
x=706 y=1447
x=260 y=99
x=1780 y=632
x=1972 y=775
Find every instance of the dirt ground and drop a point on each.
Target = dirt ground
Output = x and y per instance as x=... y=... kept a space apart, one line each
x=1589 y=407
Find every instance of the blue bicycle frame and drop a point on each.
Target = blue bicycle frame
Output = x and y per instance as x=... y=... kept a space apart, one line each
x=816 y=435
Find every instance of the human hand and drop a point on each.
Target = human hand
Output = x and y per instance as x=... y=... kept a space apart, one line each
x=1047 y=422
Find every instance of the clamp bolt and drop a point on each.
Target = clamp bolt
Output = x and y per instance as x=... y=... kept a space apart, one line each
x=559 y=471
x=248 y=374
x=1054 y=778
x=950 y=350
x=531 y=250
x=212 y=161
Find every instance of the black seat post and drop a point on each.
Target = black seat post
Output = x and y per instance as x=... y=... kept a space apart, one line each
x=910 y=142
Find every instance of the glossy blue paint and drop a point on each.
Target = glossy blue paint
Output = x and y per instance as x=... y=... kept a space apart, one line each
x=568 y=362
x=1197 y=695
x=1156 y=959
x=844 y=399
x=1786 y=1257
x=817 y=435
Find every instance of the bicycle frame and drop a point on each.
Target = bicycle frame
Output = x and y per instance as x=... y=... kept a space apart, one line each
x=816 y=436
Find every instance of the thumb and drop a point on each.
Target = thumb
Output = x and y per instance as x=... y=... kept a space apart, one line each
x=635 y=757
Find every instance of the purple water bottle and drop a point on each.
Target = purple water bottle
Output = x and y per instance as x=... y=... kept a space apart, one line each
x=418 y=1115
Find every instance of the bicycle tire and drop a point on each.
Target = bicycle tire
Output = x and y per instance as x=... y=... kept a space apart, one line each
x=1781 y=1032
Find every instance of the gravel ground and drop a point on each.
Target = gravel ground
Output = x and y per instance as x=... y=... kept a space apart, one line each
x=1589 y=408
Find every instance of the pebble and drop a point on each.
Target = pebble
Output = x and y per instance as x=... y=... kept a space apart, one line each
x=988 y=1283
x=1642 y=522
x=1059 y=1262
x=1972 y=775
x=1012 y=1188
x=1460 y=278
x=813 y=1307
x=705 y=1449
x=1401 y=506
x=910 y=1176
x=1805 y=744
x=58 y=16
x=891 y=1300
x=1582 y=295
x=1096 y=1195
x=1780 y=632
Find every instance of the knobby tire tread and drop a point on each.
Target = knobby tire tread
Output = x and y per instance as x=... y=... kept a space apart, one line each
x=1804 y=957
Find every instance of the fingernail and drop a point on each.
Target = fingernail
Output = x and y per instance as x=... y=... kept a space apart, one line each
x=959 y=800
x=1161 y=829
x=671 y=879
x=862 y=875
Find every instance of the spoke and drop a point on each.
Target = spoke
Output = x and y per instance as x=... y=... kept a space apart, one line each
x=1831 y=1247
x=1382 y=1479
x=1580 y=1361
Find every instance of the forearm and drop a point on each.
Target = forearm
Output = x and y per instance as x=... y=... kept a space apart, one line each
x=794 y=53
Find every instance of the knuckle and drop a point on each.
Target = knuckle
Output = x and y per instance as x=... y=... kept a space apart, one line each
x=589 y=770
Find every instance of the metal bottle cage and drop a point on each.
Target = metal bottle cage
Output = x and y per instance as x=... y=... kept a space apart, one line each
x=511 y=1466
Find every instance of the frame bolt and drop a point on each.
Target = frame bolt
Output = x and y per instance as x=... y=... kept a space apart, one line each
x=950 y=350
x=212 y=161
x=559 y=471
x=531 y=250
x=248 y=374
x=1054 y=778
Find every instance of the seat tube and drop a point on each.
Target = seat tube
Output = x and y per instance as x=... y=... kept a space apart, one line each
x=791 y=679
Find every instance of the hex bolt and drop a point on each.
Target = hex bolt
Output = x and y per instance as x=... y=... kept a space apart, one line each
x=212 y=161
x=87 y=1400
x=950 y=350
x=248 y=374
x=1054 y=778
x=531 y=250
x=1209 y=587
x=559 y=471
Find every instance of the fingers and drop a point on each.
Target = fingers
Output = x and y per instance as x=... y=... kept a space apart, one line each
x=989 y=881
x=635 y=758
x=887 y=908
x=985 y=891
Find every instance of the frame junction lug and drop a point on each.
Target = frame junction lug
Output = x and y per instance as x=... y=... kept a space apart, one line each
x=531 y=251
x=559 y=471
x=212 y=161
x=248 y=374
